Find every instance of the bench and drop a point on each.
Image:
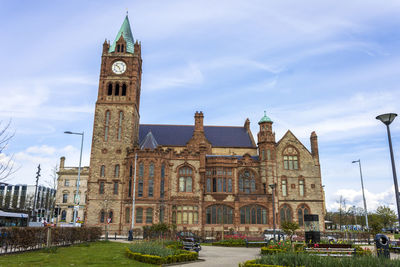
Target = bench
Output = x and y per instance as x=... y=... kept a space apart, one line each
x=336 y=252
x=395 y=249
x=255 y=242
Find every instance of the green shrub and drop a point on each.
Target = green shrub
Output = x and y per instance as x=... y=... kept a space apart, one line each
x=230 y=243
x=252 y=263
x=182 y=255
x=152 y=248
x=266 y=250
x=305 y=259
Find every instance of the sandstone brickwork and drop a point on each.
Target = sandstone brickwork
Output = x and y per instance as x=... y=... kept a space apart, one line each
x=214 y=178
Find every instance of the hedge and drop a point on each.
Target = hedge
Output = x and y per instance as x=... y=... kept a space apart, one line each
x=23 y=238
x=234 y=242
x=252 y=263
x=152 y=259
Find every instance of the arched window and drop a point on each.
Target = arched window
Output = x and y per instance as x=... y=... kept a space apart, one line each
x=118 y=48
x=64 y=215
x=301 y=187
x=253 y=214
x=219 y=214
x=284 y=187
x=127 y=214
x=139 y=215
x=185 y=179
x=290 y=158
x=121 y=116
x=140 y=187
x=122 y=48
x=141 y=169
x=117 y=89
x=65 y=198
x=162 y=183
x=102 y=216
x=102 y=171
x=116 y=171
x=285 y=213
x=301 y=212
x=149 y=215
x=124 y=89
x=109 y=91
x=151 y=177
x=247 y=182
x=107 y=125
x=110 y=216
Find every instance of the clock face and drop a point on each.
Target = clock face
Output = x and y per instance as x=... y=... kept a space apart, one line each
x=118 y=67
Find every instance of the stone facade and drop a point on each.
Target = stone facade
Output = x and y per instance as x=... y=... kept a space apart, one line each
x=215 y=178
x=66 y=190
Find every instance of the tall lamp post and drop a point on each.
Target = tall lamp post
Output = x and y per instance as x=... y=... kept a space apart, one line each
x=76 y=198
x=362 y=187
x=273 y=186
x=387 y=120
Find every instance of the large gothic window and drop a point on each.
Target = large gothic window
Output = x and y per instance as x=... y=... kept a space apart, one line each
x=253 y=214
x=219 y=214
x=285 y=213
x=117 y=89
x=162 y=182
x=185 y=179
x=301 y=212
x=151 y=180
x=247 y=182
x=124 y=89
x=185 y=214
x=219 y=179
x=139 y=215
x=290 y=158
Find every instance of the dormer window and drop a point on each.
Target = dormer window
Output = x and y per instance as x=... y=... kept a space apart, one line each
x=122 y=48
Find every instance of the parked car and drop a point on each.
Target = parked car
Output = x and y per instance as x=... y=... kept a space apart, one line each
x=184 y=234
x=279 y=235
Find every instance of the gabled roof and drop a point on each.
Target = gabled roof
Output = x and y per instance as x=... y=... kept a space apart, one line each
x=179 y=135
x=287 y=135
x=149 y=142
x=126 y=32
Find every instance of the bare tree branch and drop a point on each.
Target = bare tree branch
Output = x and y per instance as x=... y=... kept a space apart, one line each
x=7 y=167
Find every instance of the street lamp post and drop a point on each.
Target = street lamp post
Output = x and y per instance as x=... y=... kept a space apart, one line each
x=387 y=120
x=362 y=187
x=76 y=199
x=273 y=186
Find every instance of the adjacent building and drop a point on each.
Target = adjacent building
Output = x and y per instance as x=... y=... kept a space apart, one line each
x=66 y=192
x=199 y=177
x=21 y=198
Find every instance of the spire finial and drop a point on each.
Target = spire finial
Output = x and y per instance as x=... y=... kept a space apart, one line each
x=127 y=11
x=265 y=113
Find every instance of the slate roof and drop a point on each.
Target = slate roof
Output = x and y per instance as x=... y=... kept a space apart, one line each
x=179 y=135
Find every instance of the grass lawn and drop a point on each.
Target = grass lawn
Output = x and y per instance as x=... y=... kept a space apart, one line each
x=97 y=254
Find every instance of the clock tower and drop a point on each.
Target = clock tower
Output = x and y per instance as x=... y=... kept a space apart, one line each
x=116 y=127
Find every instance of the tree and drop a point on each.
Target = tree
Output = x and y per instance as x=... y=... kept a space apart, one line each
x=6 y=161
x=375 y=223
x=289 y=228
x=388 y=216
x=52 y=183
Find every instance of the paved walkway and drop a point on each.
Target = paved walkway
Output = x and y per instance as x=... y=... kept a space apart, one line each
x=223 y=256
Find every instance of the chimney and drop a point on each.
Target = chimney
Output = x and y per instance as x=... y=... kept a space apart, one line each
x=198 y=121
x=62 y=162
x=314 y=145
x=247 y=124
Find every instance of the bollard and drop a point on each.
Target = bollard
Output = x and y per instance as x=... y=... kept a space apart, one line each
x=48 y=237
x=115 y=236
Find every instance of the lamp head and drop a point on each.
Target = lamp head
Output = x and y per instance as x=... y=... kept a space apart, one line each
x=355 y=161
x=387 y=118
x=272 y=186
x=68 y=132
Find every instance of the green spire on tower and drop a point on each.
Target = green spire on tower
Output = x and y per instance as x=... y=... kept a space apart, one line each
x=126 y=32
x=265 y=118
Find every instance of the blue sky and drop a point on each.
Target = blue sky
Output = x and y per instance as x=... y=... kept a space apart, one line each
x=328 y=66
